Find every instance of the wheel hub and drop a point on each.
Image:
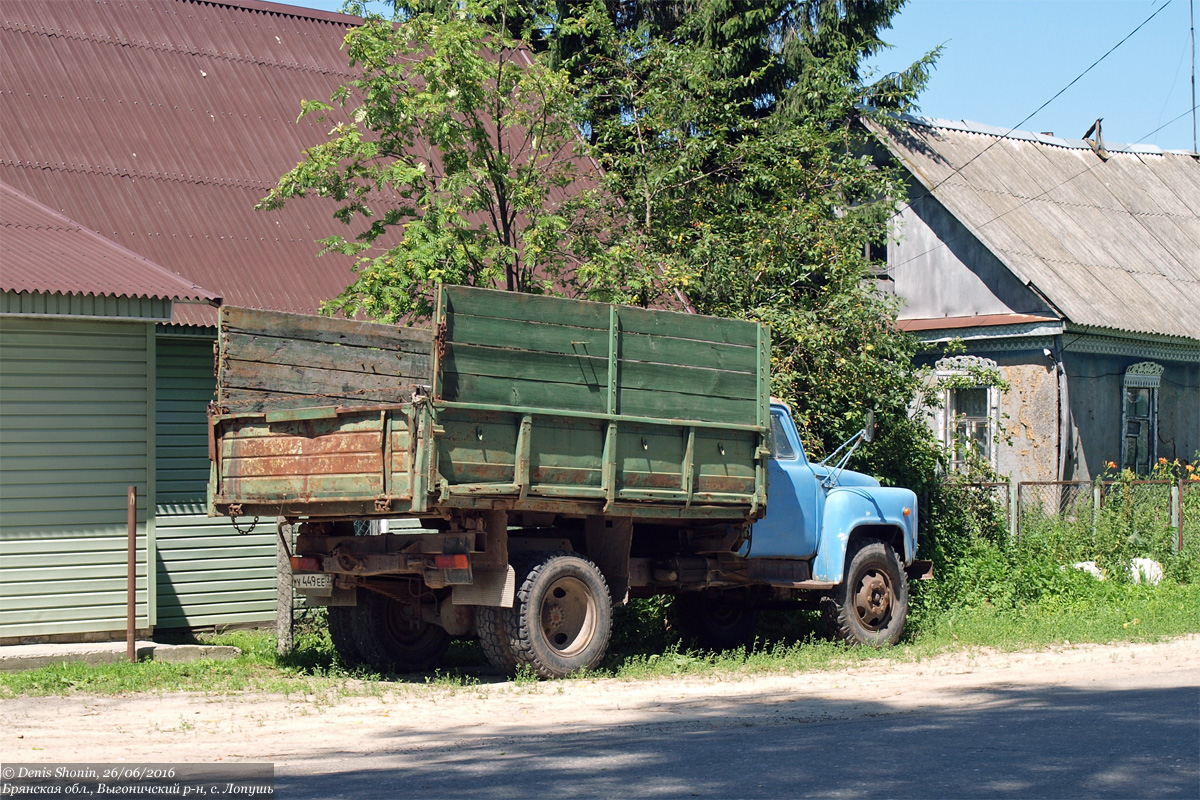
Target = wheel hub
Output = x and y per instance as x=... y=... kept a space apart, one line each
x=873 y=599
x=568 y=616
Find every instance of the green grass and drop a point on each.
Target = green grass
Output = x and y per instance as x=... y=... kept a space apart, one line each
x=789 y=643
x=1110 y=613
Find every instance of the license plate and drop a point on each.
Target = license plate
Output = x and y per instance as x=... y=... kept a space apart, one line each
x=315 y=584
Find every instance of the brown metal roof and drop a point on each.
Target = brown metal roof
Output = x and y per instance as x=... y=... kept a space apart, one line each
x=43 y=251
x=1111 y=243
x=160 y=123
x=975 y=321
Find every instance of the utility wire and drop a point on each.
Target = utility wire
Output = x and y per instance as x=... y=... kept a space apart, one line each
x=1191 y=111
x=1025 y=202
x=957 y=170
x=1192 y=20
x=1057 y=94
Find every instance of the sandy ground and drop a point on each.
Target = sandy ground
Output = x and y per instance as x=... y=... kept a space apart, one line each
x=189 y=727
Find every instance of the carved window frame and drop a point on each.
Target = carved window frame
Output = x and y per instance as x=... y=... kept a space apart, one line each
x=1143 y=375
x=945 y=424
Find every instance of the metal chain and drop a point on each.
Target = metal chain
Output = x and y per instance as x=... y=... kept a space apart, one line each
x=249 y=530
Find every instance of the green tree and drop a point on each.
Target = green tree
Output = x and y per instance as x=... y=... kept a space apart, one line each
x=742 y=176
x=453 y=158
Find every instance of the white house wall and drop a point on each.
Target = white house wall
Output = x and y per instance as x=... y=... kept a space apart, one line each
x=1028 y=418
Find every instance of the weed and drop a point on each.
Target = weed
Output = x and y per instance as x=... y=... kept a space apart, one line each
x=525 y=675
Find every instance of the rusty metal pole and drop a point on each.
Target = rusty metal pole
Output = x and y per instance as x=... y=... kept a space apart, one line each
x=131 y=596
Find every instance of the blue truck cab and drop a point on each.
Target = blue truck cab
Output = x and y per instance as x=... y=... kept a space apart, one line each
x=857 y=539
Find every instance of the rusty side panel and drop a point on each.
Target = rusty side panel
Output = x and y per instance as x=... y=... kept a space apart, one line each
x=297 y=462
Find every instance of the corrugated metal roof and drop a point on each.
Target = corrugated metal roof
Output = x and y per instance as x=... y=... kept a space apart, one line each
x=1111 y=243
x=43 y=251
x=160 y=123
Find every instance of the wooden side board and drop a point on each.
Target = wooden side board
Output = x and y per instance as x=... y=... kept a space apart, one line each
x=270 y=360
x=499 y=349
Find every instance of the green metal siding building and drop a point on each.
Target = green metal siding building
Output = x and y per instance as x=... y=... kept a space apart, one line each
x=76 y=413
x=193 y=586
x=175 y=183
x=106 y=366
x=78 y=423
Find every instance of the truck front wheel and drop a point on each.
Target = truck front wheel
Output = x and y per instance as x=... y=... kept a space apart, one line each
x=561 y=619
x=870 y=605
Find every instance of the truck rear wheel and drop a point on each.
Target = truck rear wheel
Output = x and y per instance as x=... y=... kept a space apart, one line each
x=390 y=635
x=713 y=621
x=870 y=605
x=561 y=619
x=341 y=633
x=494 y=640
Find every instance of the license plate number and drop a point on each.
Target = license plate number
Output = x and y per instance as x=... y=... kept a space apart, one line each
x=313 y=583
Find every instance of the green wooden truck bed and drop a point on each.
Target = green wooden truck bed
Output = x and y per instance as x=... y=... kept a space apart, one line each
x=510 y=402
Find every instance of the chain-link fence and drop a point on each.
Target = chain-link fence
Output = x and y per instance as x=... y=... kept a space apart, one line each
x=1112 y=522
x=1189 y=507
x=1068 y=503
x=1188 y=533
x=1058 y=517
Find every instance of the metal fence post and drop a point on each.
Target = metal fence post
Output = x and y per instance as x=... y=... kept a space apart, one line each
x=1177 y=514
x=1014 y=510
x=131 y=579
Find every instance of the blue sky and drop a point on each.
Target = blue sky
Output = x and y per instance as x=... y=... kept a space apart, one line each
x=1002 y=59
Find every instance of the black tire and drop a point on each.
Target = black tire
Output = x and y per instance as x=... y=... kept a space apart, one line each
x=391 y=636
x=871 y=604
x=713 y=620
x=494 y=640
x=341 y=633
x=561 y=619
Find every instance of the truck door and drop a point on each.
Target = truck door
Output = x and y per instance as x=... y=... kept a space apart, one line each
x=790 y=527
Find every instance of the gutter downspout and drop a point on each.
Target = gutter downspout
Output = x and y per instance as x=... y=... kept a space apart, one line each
x=1064 y=408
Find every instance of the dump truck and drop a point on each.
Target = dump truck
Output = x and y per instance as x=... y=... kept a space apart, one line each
x=529 y=463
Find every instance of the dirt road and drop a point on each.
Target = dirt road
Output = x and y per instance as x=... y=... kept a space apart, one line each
x=1082 y=721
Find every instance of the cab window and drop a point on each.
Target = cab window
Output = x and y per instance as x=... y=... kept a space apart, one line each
x=781 y=445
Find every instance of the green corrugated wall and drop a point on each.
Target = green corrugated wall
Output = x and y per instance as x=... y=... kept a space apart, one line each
x=207 y=573
x=76 y=411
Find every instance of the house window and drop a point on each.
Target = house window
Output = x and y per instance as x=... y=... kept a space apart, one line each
x=1139 y=416
x=876 y=253
x=969 y=420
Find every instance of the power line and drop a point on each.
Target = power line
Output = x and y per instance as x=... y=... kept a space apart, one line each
x=1191 y=111
x=1192 y=19
x=1057 y=94
x=1019 y=206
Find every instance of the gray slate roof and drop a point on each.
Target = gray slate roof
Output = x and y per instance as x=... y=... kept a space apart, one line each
x=1111 y=244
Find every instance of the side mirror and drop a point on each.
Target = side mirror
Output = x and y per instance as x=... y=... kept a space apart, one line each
x=869 y=426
